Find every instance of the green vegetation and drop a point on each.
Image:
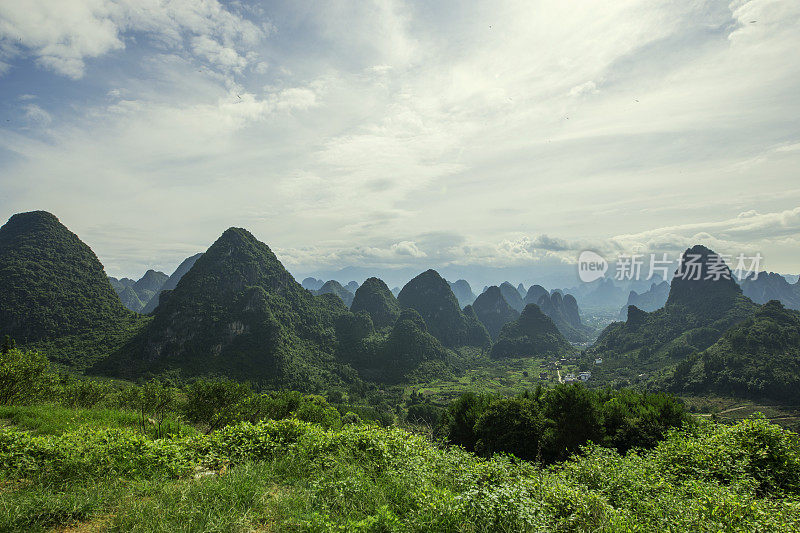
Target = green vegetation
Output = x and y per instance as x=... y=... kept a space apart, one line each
x=56 y=296
x=532 y=334
x=21 y=374
x=549 y=425
x=758 y=358
x=431 y=296
x=292 y=475
x=57 y=402
x=218 y=456
x=375 y=298
x=505 y=377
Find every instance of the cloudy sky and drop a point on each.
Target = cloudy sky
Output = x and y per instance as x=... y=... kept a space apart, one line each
x=405 y=134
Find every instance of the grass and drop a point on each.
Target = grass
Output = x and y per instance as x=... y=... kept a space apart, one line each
x=41 y=507
x=246 y=498
x=294 y=476
x=55 y=419
x=239 y=500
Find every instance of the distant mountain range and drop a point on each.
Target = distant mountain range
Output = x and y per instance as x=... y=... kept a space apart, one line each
x=564 y=312
x=171 y=282
x=135 y=295
x=511 y=295
x=768 y=286
x=654 y=298
x=234 y=310
x=463 y=292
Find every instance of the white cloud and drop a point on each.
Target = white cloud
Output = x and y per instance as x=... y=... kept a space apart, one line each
x=62 y=35
x=407 y=248
x=589 y=87
x=344 y=132
x=37 y=115
x=226 y=57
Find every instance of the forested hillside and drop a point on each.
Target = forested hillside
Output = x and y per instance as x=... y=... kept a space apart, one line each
x=758 y=358
x=55 y=294
x=239 y=313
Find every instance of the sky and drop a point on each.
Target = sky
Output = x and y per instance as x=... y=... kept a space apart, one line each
x=380 y=135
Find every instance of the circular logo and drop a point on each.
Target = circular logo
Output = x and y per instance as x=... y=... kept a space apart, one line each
x=591 y=266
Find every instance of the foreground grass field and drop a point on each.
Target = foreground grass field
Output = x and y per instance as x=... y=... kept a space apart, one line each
x=289 y=475
x=54 y=419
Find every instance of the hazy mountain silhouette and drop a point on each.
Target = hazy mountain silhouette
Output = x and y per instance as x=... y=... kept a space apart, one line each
x=171 y=282
x=493 y=311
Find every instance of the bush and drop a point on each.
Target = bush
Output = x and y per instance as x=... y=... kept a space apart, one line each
x=424 y=413
x=24 y=376
x=211 y=402
x=511 y=425
x=292 y=475
x=91 y=453
x=551 y=425
x=84 y=393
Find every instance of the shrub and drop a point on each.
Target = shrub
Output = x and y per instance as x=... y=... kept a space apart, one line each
x=24 y=376
x=511 y=425
x=212 y=402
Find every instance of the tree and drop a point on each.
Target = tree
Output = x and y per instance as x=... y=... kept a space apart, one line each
x=209 y=402
x=573 y=419
x=424 y=413
x=511 y=425
x=461 y=417
x=155 y=398
x=24 y=375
